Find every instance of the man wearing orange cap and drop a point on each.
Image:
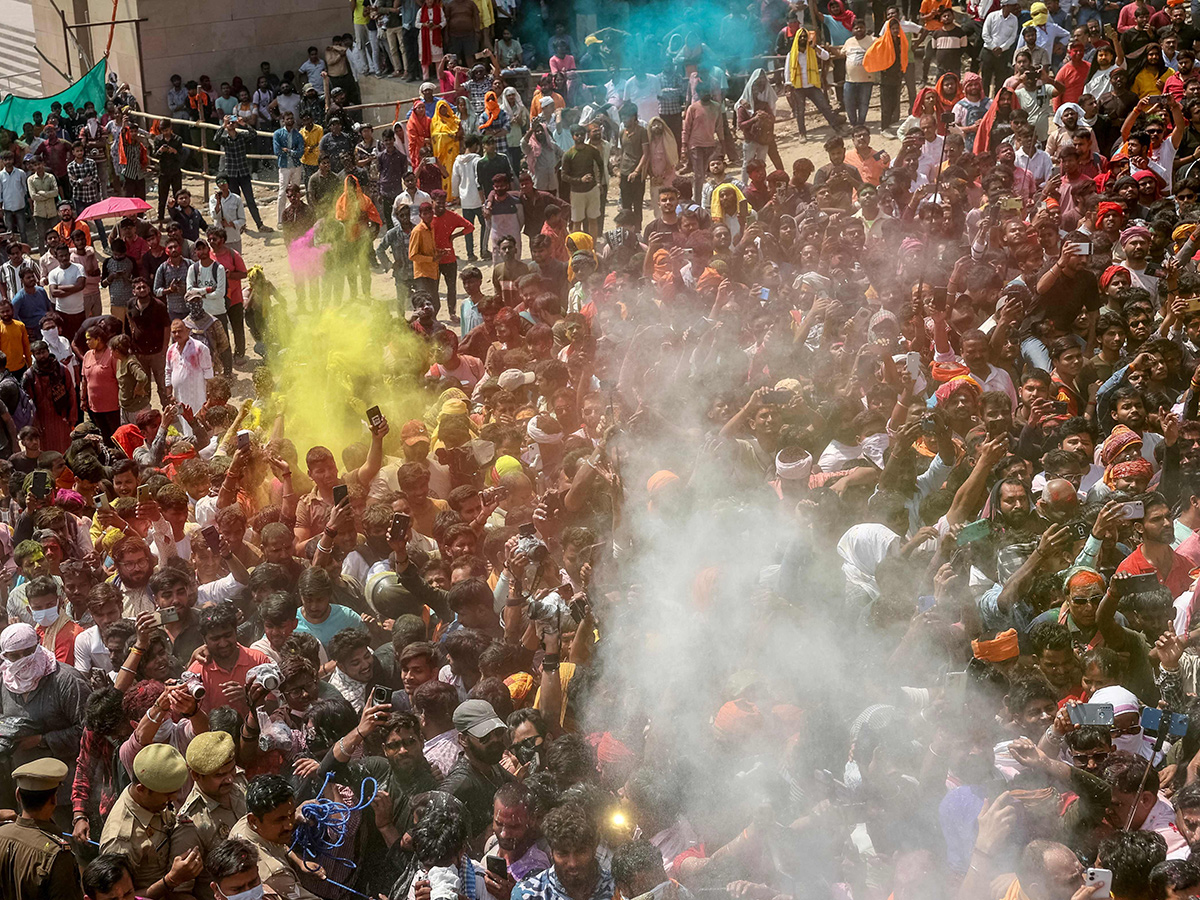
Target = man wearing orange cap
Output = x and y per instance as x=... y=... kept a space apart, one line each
x=1090 y=616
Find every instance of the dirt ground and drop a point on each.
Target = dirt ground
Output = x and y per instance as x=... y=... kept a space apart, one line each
x=269 y=251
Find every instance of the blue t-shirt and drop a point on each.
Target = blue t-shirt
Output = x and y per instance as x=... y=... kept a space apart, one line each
x=29 y=308
x=339 y=617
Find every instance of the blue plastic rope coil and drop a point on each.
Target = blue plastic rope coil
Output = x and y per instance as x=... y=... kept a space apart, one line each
x=324 y=827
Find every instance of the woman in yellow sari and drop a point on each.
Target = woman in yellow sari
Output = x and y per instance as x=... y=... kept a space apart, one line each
x=446 y=131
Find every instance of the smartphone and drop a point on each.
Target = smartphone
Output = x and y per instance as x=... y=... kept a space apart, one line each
x=1079 y=530
x=400 y=523
x=1193 y=304
x=1152 y=269
x=1083 y=249
x=374 y=417
x=100 y=500
x=947 y=118
x=938 y=300
x=1011 y=204
x=340 y=493
x=143 y=493
x=380 y=695
x=880 y=155
x=912 y=362
x=928 y=425
x=960 y=562
x=41 y=483
x=1091 y=714
x=1099 y=880
x=1132 y=509
x=1157 y=98
x=1060 y=407
x=1152 y=720
x=974 y=531
x=497 y=867
x=166 y=615
x=764 y=294
x=1137 y=584
x=527 y=530
x=553 y=501
x=243 y=439
x=212 y=537
x=578 y=610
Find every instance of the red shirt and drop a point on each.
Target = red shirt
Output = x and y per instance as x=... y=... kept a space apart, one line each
x=1178 y=580
x=213 y=676
x=233 y=262
x=1072 y=76
x=445 y=225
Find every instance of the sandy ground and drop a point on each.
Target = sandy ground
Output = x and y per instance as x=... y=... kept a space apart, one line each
x=268 y=250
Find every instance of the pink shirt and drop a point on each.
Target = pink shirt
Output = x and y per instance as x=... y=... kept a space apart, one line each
x=100 y=373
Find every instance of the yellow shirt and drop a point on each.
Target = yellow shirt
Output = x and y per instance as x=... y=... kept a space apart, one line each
x=1147 y=83
x=312 y=139
x=14 y=341
x=423 y=251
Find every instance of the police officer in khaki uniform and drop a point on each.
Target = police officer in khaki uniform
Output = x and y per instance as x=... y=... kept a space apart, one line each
x=36 y=862
x=159 y=846
x=218 y=796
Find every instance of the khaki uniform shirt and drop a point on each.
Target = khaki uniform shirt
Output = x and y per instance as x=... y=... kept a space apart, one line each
x=150 y=841
x=213 y=821
x=36 y=863
x=274 y=867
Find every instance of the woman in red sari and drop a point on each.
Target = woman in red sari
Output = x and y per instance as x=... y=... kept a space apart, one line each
x=418 y=131
x=429 y=27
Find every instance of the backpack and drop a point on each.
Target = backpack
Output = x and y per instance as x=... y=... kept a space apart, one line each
x=24 y=411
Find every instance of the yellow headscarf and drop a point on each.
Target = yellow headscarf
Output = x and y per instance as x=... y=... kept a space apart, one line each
x=811 y=63
x=715 y=209
x=579 y=242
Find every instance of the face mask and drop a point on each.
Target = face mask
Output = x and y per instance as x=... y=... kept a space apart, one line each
x=45 y=617
x=50 y=333
x=1132 y=743
x=255 y=893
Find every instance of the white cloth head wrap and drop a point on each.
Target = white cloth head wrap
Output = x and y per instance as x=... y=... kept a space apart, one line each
x=22 y=675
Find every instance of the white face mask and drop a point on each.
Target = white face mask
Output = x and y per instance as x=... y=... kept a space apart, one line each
x=50 y=333
x=255 y=893
x=45 y=617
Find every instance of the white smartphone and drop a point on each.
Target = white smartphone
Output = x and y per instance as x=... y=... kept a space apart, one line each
x=1099 y=880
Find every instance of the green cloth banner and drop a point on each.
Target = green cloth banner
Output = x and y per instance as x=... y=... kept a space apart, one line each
x=16 y=111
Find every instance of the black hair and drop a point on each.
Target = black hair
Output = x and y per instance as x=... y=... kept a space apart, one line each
x=103 y=873
x=223 y=615
x=1131 y=856
x=635 y=858
x=268 y=792
x=231 y=856
x=569 y=827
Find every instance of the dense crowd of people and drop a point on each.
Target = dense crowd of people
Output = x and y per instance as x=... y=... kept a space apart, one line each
x=806 y=533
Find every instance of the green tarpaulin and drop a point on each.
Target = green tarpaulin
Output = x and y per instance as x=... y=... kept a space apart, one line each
x=15 y=111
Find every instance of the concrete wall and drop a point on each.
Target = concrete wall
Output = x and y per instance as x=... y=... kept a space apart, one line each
x=219 y=38
x=223 y=38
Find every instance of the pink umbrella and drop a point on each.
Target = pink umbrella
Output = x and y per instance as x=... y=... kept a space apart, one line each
x=114 y=208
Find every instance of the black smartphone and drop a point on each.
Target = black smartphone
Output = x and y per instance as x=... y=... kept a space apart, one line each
x=340 y=493
x=1137 y=584
x=41 y=484
x=212 y=537
x=1059 y=407
x=380 y=695
x=527 y=530
x=400 y=523
x=929 y=425
x=1079 y=530
x=578 y=610
x=553 y=501
x=497 y=867
x=938 y=301
x=374 y=416
x=948 y=118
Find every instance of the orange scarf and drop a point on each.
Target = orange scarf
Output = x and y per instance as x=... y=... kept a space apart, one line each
x=129 y=133
x=354 y=207
x=881 y=55
x=492 y=107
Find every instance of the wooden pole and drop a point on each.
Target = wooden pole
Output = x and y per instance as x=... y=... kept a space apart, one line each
x=204 y=165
